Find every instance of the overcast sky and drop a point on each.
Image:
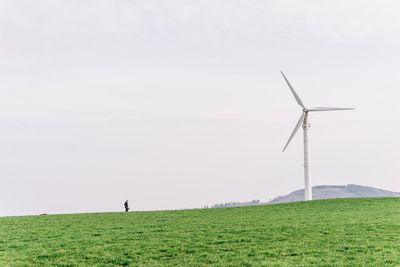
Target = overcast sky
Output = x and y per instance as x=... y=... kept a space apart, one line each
x=180 y=104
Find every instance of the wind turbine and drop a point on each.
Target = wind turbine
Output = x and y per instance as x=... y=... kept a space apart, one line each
x=304 y=121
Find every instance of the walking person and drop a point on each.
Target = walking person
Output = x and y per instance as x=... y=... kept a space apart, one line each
x=126 y=206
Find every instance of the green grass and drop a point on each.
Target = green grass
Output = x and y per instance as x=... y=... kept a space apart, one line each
x=340 y=232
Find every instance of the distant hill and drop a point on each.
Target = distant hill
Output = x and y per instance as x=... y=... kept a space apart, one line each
x=336 y=191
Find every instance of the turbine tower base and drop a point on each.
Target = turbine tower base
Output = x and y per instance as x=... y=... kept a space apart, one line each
x=307 y=178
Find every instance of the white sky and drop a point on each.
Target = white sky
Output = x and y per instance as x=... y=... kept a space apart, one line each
x=180 y=104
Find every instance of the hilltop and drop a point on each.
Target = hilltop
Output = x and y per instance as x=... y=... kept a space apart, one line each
x=336 y=191
x=334 y=232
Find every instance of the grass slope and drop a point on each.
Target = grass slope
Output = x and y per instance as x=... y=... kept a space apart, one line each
x=338 y=232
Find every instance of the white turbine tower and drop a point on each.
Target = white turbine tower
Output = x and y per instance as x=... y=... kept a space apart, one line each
x=304 y=121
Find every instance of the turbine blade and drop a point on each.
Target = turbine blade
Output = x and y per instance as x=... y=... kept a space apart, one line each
x=299 y=123
x=293 y=92
x=329 y=109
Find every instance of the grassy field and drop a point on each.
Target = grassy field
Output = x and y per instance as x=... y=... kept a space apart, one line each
x=340 y=232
